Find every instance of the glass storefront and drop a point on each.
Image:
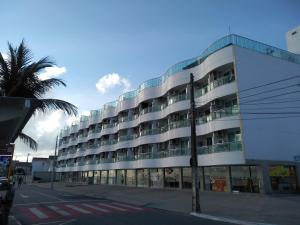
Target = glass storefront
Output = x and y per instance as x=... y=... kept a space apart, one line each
x=120 y=177
x=111 y=177
x=96 y=177
x=130 y=178
x=172 y=177
x=156 y=178
x=283 y=178
x=244 y=179
x=142 y=177
x=104 y=177
x=186 y=178
x=216 y=178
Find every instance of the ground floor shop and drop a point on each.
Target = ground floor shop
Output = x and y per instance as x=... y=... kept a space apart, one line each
x=263 y=178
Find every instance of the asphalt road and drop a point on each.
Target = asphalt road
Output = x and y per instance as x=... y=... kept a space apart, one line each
x=35 y=205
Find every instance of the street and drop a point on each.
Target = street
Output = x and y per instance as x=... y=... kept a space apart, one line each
x=36 y=205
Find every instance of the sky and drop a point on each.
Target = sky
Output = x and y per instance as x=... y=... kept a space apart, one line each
x=103 y=48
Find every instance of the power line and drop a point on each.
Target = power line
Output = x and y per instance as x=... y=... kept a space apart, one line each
x=272 y=96
x=270 y=83
x=273 y=102
x=272 y=90
x=259 y=86
x=258 y=118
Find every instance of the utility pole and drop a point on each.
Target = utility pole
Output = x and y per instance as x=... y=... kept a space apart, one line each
x=54 y=164
x=194 y=155
x=26 y=176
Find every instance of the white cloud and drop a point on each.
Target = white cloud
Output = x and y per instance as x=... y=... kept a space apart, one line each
x=51 y=72
x=5 y=56
x=43 y=128
x=111 y=80
x=49 y=124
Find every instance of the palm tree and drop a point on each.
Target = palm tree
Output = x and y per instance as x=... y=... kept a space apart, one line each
x=19 y=78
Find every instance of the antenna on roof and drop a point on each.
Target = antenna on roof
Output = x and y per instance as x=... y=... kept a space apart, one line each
x=229 y=32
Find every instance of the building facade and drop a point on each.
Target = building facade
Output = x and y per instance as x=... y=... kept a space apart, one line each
x=143 y=138
x=293 y=40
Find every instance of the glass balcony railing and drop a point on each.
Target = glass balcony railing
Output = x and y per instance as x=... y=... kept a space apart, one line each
x=177 y=98
x=107 y=160
x=126 y=137
x=109 y=142
x=214 y=84
x=228 y=111
x=179 y=124
x=222 y=147
x=110 y=125
x=185 y=151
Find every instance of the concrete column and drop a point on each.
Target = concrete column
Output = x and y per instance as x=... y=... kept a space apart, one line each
x=180 y=178
x=163 y=177
x=148 y=172
x=298 y=176
x=214 y=138
x=264 y=178
x=201 y=178
x=228 y=179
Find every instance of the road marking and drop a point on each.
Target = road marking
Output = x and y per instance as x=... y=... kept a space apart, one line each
x=58 y=210
x=44 y=223
x=112 y=207
x=38 y=213
x=128 y=206
x=226 y=220
x=49 y=196
x=68 y=221
x=23 y=196
x=54 y=202
x=95 y=207
x=78 y=209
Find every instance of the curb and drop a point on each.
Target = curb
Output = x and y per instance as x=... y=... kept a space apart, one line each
x=13 y=221
x=227 y=220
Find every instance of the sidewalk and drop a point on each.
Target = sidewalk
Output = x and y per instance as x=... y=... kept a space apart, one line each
x=274 y=209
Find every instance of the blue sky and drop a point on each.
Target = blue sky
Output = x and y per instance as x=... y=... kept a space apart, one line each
x=137 y=39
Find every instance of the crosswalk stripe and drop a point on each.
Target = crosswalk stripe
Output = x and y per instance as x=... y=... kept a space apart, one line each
x=58 y=210
x=78 y=209
x=38 y=213
x=95 y=207
x=128 y=206
x=112 y=207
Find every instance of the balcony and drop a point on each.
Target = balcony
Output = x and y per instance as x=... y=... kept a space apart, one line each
x=109 y=142
x=228 y=111
x=110 y=125
x=177 y=98
x=126 y=138
x=222 y=147
x=214 y=84
x=106 y=160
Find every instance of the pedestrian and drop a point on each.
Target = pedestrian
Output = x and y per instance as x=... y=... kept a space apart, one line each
x=20 y=181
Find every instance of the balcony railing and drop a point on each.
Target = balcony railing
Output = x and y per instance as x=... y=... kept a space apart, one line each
x=214 y=84
x=185 y=151
x=222 y=147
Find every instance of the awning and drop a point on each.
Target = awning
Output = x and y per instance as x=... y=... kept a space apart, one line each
x=14 y=114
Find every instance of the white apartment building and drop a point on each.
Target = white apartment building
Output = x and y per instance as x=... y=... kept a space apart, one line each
x=143 y=138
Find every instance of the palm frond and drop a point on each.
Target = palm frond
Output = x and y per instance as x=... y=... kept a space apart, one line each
x=28 y=75
x=56 y=104
x=24 y=55
x=28 y=141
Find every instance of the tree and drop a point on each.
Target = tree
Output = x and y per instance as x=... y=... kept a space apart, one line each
x=19 y=78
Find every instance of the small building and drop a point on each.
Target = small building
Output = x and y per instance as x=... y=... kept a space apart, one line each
x=41 y=169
